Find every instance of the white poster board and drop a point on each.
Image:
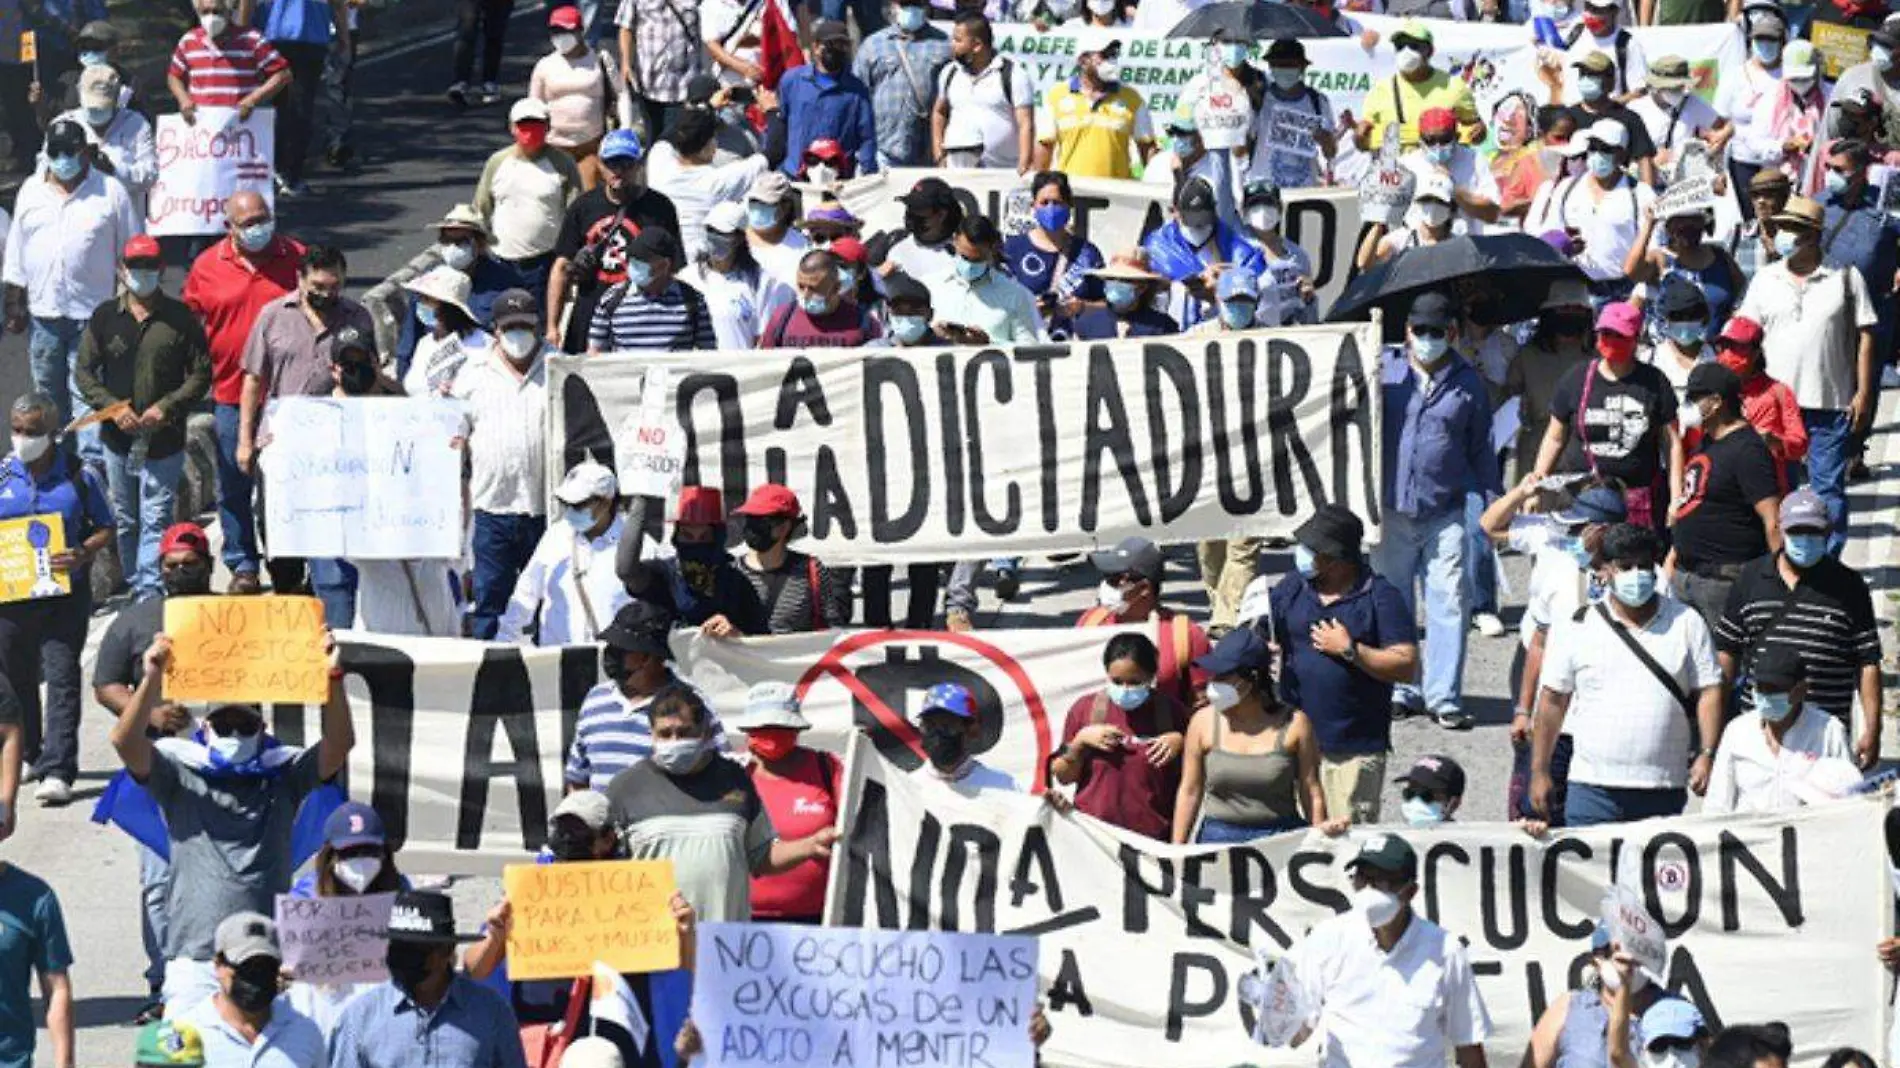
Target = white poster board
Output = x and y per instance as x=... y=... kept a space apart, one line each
x=201 y=163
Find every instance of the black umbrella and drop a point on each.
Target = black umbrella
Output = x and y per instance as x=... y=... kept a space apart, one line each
x=1255 y=20
x=1500 y=278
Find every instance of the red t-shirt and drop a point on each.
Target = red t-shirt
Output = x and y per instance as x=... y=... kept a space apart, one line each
x=226 y=291
x=1178 y=675
x=1122 y=788
x=800 y=806
x=845 y=327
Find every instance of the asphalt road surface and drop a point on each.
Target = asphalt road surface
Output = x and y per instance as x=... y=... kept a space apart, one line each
x=421 y=156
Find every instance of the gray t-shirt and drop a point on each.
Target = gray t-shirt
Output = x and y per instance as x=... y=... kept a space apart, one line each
x=230 y=840
x=710 y=824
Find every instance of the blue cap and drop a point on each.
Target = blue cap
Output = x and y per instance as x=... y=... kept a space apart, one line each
x=1238 y=282
x=622 y=144
x=353 y=824
x=951 y=698
x=1598 y=504
x=1671 y=1018
x=1241 y=649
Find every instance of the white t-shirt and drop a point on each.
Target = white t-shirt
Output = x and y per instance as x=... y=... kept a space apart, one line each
x=1625 y=81
x=983 y=105
x=1744 y=98
x=1749 y=777
x=1407 y=1008
x=1284 y=274
x=1608 y=226
x=977 y=778
x=1557 y=587
x=436 y=362
x=740 y=307
x=1629 y=732
x=780 y=260
x=717 y=20
x=695 y=189
x=1667 y=358
x=1692 y=122
x=1468 y=172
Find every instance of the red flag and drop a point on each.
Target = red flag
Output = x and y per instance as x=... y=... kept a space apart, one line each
x=778 y=44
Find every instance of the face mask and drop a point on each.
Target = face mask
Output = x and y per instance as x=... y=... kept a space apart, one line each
x=581 y=519
x=1053 y=218
x=1686 y=334
x=971 y=270
x=1440 y=155
x=815 y=305
x=1237 y=315
x=1615 y=349
x=1103 y=7
x=1689 y=417
x=761 y=216
x=679 y=757
x=93 y=59
x=356 y=377
x=1614 y=982
x=1108 y=71
x=1432 y=213
x=408 y=965
x=722 y=246
x=821 y=173
x=564 y=42
x=1419 y=812
x=1836 y=182
x=142 y=281
x=1801 y=86
x=520 y=344
x=1263 y=219
x=1882 y=57
x=1599 y=25
x=31 y=448
x=1120 y=295
x=1184 y=147
x=426 y=316
x=1305 y=561
x=1580 y=554
x=458 y=255
x=1591 y=88
x=1286 y=77
x=1768 y=52
x=255 y=237
x=531 y=136
x=1673 y=1058
x=1109 y=595
x=945 y=748
x=909 y=329
x=214 y=25
x=1636 y=587
x=188 y=581
x=759 y=533
x=1129 y=698
x=639 y=274
x=700 y=553
x=910 y=18
x=98 y=117
x=1233 y=54
x=235 y=749
x=1670 y=99
x=1222 y=695
x=1430 y=350
x=319 y=301
x=1804 y=549
x=1602 y=164
x=1379 y=907
x=1784 y=243
x=253 y=988
x=357 y=872
x=1411 y=60
x=65 y=168
x=1059 y=9
x=771 y=744
x=1740 y=364
x=1773 y=707
x=1197 y=235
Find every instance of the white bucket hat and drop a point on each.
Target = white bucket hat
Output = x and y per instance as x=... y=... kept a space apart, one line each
x=770 y=704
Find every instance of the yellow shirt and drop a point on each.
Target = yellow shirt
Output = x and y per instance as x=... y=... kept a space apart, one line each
x=1396 y=99
x=1092 y=137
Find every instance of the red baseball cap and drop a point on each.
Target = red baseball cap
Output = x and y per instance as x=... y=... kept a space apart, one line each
x=771 y=500
x=700 y=506
x=141 y=247
x=185 y=537
x=850 y=250
x=1741 y=330
x=1436 y=121
x=1622 y=318
x=566 y=17
x=825 y=148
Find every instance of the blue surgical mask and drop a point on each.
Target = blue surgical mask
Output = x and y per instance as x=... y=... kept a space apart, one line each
x=256 y=238
x=1635 y=587
x=1768 y=52
x=1602 y=164
x=142 y=281
x=1440 y=154
x=1234 y=53
x=1286 y=77
x=1773 y=707
x=426 y=316
x=93 y=59
x=1784 y=243
x=847 y=279
x=1430 y=349
x=639 y=274
x=909 y=329
x=1591 y=88
x=814 y=305
x=1183 y=146
x=1053 y=217
x=911 y=18
x=1120 y=295
x=581 y=519
x=1836 y=182
x=1579 y=553
x=1129 y=698
x=1686 y=334
x=1419 y=812
x=761 y=216
x=1305 y=561
x=971 y=270
x=1804 y=549
x=65 y=168
x=1237 y=315
x=99 y=117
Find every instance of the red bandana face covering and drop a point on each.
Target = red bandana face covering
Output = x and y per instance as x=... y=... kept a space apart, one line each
x=1615 y=349
x=771 y=743
x=531 y=136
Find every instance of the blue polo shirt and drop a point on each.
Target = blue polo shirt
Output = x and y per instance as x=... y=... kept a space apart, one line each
x=294 y=21
x=1351 y=711
x=1437 y=436
x=81 y=502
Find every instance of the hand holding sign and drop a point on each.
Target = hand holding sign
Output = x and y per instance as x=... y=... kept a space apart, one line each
x=1634 y=930
x=1387 y=190
x=335 y=940
x=650 y=450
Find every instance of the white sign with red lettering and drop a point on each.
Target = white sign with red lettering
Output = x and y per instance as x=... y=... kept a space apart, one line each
x=202 y=163
x=650 y=452
x=1222 y=111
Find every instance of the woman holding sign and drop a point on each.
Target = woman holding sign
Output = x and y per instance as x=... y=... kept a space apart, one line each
x=355 y=860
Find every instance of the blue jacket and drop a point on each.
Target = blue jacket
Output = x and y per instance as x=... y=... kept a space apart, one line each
x=1437 y=436
x=1169 y=252
x=488 y=279
x=822 y=105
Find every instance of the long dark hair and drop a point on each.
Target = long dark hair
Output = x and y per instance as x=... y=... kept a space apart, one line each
x=387 y=881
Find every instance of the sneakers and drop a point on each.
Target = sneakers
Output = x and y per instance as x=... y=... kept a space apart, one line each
x=458 y=94
x=53 y=792
x=491 y=93
x=1453 y=719
x=1488 y=624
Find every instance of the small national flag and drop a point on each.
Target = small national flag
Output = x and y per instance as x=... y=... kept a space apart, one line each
x=778 y=43
x=616 y=1013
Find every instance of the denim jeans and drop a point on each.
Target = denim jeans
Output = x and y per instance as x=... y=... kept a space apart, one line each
x=961 y=592
x=155 y=883
x=42 y=641
x=503 y=544
x=334 y=583
x=52 y=351
x=143 y=500
x=1588 y=806
x=235 y=515
x=1829 y=451
x=1430 y=551
x=1222 y=832
x=1481 y=577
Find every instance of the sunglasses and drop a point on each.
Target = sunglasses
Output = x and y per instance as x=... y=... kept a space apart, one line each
x=1429 y=331
x=1420 y=795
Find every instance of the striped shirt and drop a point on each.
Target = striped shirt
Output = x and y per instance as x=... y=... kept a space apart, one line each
x=1831 y=624
x=220 y=74
x=614 y=733
x=676 y=320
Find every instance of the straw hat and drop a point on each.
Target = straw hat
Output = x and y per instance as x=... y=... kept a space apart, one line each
x=1127 y=267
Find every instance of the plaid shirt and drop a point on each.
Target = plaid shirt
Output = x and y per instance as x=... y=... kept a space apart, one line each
x=903 y=112
x=668 y=50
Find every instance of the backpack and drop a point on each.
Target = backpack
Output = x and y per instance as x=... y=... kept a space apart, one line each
x=1622 y=48
x=951 y=68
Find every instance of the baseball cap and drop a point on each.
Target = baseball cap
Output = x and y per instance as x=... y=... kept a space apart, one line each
x=1672 y=1018
x=426 y=917
x=169 y=1042
x=830 y=30
x=528 y=109
x=140 y=248
x=351 y=339
x=1131 y=555
x=622 y=145
x=1434 y=185
x=850 y=250
x=1263 y=190
x=771 y=187
x=1682 y=298
x=1740 y=330
x=1238 y=283
x=1195 y=194
x=702 y=506
x=1711 y=379
x=98 y=87
x=1436 y=121
x=948 y=697
x=246 y=936
x=1777 y=667
x=1411 y=30
x=1803 y=510
x=1596 y=63
x=1621 y=318
x=353 y=824
x=770 y=704
x=1386 y=852
x=726 y=217
x=184 y=537
x=640 y=627
x=700 y=89
x=901 y=288
x=585 y=481
x=1437 y=775
x=65 y=137
x=1432 y=309
x=516 y=307
x=1240 y=649
x=771 y=501
x=1332 y=529
x=1607 y=132
x=1598 y=504
x=1798 y=61
x=653 y=243
x=589 y=806
x=930 y=194
x=565 y=17
x=98 y=31
x=1286 y=51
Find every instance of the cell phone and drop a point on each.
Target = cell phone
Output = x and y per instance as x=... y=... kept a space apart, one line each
x=741 y=94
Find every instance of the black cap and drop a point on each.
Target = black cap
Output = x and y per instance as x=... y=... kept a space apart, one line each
x=1439 y=776
x=1386 y=852
x=640 y=627
x=902 y=287
x=65 y=137
x=1886 y=37
x=1777 y=668
x=351 y=339
x=830 y=30
x=1132 y=556
x=426 y=917
x=692 y=130
x=1263 y=190
x=1681 y=298
x=1431 y=309
x=516 y=307
x=1195 y=194
x=1286 y=50
x=98 y=31
x=929 y=194
x=653 y=243
x=1710 y=378
x=1334 y=530
x=700 y=89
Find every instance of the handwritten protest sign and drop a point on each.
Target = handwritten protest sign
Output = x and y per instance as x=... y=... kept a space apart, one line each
x=775 y=994
x=27 y=546
x=202 y=163
x=567 y=916
x=372 y=478
x=263 y=649
x=1292 y=132
x=650 y=450
x=335 y=940
x=1687 y=195
x=1280 y=1008
x=1387 y=190
x=1635 y=930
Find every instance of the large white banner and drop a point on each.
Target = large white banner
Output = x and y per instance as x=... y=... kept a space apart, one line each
x=201 y=163
x=369 y=478
x=1143 y=945
x=1116 y=214
x=460 y=744
x=915 y=455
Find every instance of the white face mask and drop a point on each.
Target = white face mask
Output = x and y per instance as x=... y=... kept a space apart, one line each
x=1689 y=416
x=1379 y=907
x=1103 y=7
x=214 y=24
x=1108 y=71
x=1613 y=981
x=1675 y=1058
x=1411 y=60
x=679 y=756
x=1108 y=595
x=236 y=749
x=357 y=872
x=519 y=344
x=1222 y=695
x=456 y=255
x=822 y=173
x=564 y=42
x=1432 y=213
x=30 y=449
x=1263 y=218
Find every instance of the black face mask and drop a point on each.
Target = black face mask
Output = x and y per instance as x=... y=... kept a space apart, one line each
x=408 y=965
x=357 y=377
x=190 y=580
x=254 y=986
x=567 y=841
x=759 y=534
x=946 y=748
x=833 y=58
x=920 y=227
x=321 y=302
